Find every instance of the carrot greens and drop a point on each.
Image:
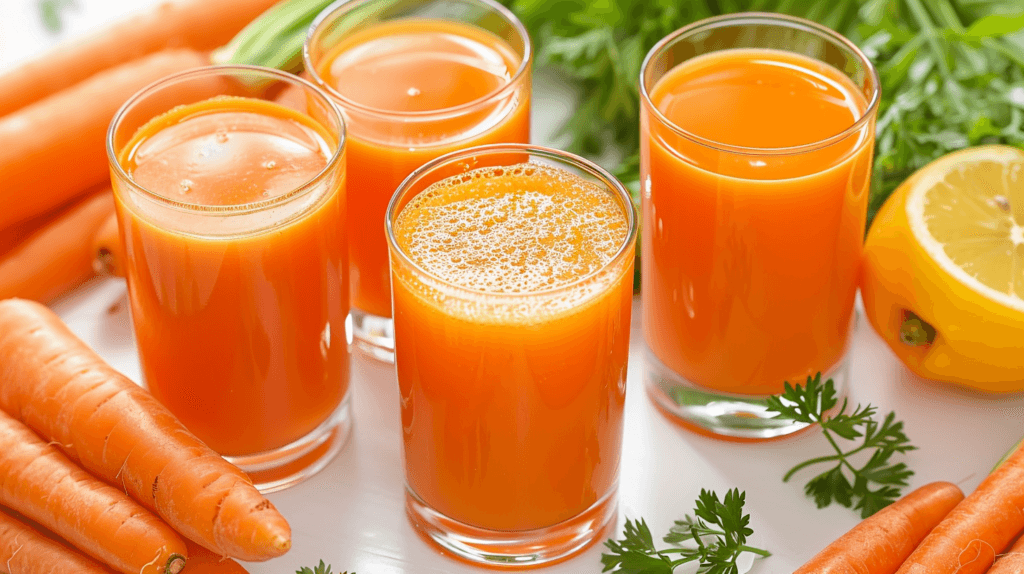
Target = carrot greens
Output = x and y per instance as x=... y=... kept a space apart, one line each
x=847 y=483
x=714 y=538
x=318 y=569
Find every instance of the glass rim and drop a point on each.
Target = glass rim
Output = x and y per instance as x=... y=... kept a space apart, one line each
x=781 y=20
x=563 y=157
x=347 y=5
x=239 y=208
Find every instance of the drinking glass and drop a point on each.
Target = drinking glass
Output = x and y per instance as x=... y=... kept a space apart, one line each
x=238 y=303
x=752 y=236
x=512 y=401
x=448 y=107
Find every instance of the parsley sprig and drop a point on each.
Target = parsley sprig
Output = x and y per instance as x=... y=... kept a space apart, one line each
x=847 y=483
x=715 y=537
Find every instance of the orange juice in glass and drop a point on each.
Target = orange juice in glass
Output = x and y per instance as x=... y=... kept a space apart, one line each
x=512 y=274
x=757 y=133
x=232 y=212
x=416 y=79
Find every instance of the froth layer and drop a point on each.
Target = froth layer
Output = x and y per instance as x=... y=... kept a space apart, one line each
x=518 y=229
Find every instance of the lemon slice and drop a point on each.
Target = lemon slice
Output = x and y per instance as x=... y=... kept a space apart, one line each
x=967 y=211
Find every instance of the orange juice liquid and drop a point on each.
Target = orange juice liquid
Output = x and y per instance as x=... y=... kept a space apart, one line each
x=420 y=66
x=513 y=380
x=750 y=260
x=240 y=329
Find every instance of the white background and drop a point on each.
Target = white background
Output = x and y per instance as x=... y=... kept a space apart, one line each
x=352 y=516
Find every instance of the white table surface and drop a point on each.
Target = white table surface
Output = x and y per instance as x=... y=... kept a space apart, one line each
x=352 y=514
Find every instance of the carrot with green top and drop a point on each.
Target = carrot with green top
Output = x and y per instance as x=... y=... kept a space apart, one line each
x=982 y=526
x=881 y=543
x=58 y=386
x=23 y=550
x=38 y=481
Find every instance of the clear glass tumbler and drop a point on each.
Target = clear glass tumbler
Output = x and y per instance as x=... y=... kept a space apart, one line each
x=229 y=184
x=757 y=134
x=512 y=393
x=415 y=79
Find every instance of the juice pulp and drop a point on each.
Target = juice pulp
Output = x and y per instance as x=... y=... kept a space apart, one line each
x=240 y=329
x=750 y=260
x=512 y=376
x=420 y=66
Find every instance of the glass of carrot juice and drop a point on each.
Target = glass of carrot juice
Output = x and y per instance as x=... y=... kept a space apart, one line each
x=757 y=133
x=512 y=280
x=229 y=184
x=415 y=79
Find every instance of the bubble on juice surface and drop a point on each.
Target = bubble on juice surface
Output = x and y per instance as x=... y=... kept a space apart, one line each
x=518 y=229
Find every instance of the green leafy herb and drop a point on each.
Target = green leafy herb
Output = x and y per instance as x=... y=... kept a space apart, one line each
x=51 y=12
x=320 y=569
x=846 y=483
x=714 y=538
x=952 y=71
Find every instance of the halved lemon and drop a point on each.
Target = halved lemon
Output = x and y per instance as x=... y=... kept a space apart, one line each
x=943 y=276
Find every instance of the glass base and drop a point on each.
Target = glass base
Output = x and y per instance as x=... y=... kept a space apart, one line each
x=718 y=414
x=513 y=549
x=373 y=335
x=291 y=464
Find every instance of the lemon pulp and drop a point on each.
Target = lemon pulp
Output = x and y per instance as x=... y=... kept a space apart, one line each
x=968 y=213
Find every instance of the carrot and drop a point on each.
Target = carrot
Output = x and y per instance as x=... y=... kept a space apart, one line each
x=23 y=550
x=108 y=255
x=57 y=385
x=58 y=256
x=202 y=561
x=1012 y=562
x=881 y=543
x=55 y=148
x=980 y=527
x=198 y=24
x=38 y=481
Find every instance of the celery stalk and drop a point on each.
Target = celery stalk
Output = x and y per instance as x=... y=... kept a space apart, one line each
x=275 y=38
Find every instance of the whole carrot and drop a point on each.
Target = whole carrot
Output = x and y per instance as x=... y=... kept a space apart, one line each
x=201 y=25
x=23 y=550
x=107 y=253
x=55 y=149
x=58 y=256
x=881 y=543
x=56 y=384
x=39 y=482
x=983 y=525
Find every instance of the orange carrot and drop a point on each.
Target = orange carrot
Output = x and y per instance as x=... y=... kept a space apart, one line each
x=198 y=24
x=202 y=561
x=108 y=255
x=881 y=543
x=1012 y=562
x=983 y=525
x=57 y=385
x=23 y=550
x=55 y=148
x=38 y=481
x=58 y=256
